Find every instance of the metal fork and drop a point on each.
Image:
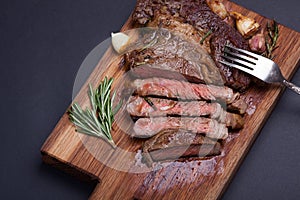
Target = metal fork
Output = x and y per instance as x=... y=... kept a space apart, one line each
x=256 y=65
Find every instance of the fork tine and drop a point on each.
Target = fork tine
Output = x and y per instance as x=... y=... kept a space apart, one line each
x=255 y=56
x=238 y=61
x=251 y=60
x=247 y=70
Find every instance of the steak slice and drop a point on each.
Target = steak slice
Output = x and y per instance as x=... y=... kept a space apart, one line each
x=155 y=107
x=148 y=127
x=198 y=14
x=172 y=144
x=188 y=91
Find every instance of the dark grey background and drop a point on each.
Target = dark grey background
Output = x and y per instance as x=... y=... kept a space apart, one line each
x=43 y=43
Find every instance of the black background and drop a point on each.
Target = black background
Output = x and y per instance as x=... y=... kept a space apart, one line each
x=43 y=43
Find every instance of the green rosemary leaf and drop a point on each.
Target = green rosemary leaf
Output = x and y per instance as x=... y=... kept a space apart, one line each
x=271 y=40
x=113 y=97
x=98 y=120
x=117 y=108
x=86 y=131
x=84 y=127
x=205 y=36
x=109 y=120
x=83 y=120
x=92 y=99
x=107 y=129
x=105 y=101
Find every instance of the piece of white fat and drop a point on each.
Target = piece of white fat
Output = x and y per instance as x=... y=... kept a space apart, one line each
x=119 y=41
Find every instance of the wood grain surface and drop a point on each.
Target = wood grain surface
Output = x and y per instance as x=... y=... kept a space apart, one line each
x=93 y=159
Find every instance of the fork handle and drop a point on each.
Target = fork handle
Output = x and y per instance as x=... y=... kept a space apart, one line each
x=291 y=86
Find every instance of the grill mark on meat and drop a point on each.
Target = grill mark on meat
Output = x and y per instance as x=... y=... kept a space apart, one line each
x=139 y=107
x=188 y=91
x=199 y=15
x=172 y=144
x=148 y=127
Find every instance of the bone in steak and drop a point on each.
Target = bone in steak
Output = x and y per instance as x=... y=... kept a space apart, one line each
x=148 y=127
x=172 y=56
x=177 y=26
x=198 y=14
x=173 y=144
x=156 y=107
x=172 y=67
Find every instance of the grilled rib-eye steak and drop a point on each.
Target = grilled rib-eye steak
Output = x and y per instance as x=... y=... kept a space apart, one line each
x=156 y=107
x=172 y=144
x=148 y=127
x=181 y=106
x=198 y=14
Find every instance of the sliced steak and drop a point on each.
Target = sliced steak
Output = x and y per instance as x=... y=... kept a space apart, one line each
x=182 y=90
x=148 y=127
x=172 y=144
x=198 y=14
x=156 y=107
x=187 y=91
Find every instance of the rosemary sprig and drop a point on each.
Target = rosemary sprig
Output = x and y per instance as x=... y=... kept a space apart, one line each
x=271 y=41
x=98 y=120
x=205 y=36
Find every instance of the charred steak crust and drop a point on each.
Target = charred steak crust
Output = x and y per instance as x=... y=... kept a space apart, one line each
x=198 y=14
x=173 y=144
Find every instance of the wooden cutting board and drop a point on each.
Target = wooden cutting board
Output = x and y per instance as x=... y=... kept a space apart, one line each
x=91 y=158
